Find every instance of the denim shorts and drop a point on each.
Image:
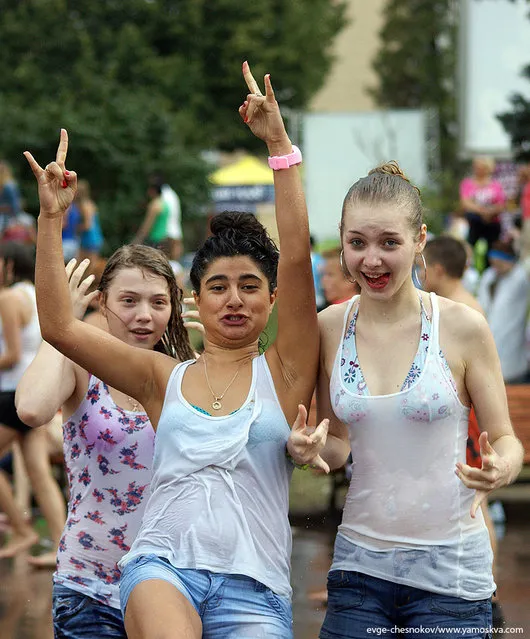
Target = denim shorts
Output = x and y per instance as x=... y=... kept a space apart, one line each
x=230 y=606
x=77 y=616
x=364 y=607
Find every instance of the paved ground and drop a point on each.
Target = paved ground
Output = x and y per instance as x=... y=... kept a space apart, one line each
x=25 y=594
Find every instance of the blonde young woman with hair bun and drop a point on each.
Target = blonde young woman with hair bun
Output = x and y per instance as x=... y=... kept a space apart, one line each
x=399 y=371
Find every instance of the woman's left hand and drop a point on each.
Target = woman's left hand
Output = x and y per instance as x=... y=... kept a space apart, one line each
x=305 y=444
x=494 y=473
x=57 y=186
x=191 y=317
x=261 y=112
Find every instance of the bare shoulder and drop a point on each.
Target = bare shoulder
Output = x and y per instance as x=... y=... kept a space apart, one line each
x=461 y=321
x=331 y=319
x=11 y=300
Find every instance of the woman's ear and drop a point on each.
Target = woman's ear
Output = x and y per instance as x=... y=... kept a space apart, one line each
x=273 y=299
x=423 y=238
x=196 y=298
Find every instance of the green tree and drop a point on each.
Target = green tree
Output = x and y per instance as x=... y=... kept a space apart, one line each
x=144 y=85
x=517 y=124
x=416 y=68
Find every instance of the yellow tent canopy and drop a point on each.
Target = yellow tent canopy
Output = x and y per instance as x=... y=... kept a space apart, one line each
x=246 y=171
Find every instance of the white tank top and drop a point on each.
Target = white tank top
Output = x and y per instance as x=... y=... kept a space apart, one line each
x=220 y=487
x=406 y=517
x=30 y=341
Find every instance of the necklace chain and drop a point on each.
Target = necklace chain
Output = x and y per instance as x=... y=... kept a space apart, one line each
x=216 y=404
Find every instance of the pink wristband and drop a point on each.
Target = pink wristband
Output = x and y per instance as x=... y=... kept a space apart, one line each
x=278 y=162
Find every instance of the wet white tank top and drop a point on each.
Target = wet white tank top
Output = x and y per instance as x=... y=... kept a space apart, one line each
x=406 y=517
x=30 y=341
x=220 y=488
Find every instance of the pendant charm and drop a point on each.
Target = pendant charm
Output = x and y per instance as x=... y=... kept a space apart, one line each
x=216 y=405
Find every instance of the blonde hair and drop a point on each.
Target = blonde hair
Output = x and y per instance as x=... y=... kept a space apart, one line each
x=6 y=175
x=83 y=190
x=486 y=161
x=387 y=184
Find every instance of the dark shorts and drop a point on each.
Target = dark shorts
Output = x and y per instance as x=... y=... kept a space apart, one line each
x=364 y=607
x=77 y=616
x=8 y=413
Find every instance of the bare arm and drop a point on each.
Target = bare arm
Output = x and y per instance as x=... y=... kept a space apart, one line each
x=501 y=451
x=139 y=373
x=153 y=210
x=48 y=382
x=10 y=316
x=337 y=448
x=297 y=367
x=51 y=380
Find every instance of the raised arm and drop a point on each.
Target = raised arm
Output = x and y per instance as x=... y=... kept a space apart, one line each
x=296 y=293
x=137 y=372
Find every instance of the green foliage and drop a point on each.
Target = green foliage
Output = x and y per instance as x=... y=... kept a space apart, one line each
x=416 y=67
x=517 y=124
x=143 y=85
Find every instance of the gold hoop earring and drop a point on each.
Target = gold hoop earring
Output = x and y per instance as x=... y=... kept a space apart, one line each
x=343 y=268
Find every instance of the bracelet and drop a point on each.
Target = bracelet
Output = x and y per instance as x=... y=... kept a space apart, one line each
x=295 y=464
x=279 y=162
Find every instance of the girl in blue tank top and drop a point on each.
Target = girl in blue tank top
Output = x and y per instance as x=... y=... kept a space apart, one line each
x=212 y=557
x=399 y=371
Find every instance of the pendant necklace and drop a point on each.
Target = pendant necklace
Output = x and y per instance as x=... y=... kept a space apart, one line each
x=216 y=404
x=135 y=405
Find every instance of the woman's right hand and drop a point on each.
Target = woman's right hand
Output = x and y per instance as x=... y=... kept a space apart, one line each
x=78 y=289
x=57 y=186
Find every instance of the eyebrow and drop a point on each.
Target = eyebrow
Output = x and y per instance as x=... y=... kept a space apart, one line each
x=353 y=232
x=224 y=278
x=126 y=292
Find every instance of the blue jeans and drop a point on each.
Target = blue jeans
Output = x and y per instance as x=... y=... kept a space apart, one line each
x=230 y=606
x=360 y=606
x=77 y=616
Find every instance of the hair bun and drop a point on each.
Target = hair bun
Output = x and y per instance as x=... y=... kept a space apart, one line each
x=392 y=168
x=235 y=221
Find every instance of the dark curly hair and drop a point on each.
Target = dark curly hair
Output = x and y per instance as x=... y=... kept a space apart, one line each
x=235 y=233
x=175 y=341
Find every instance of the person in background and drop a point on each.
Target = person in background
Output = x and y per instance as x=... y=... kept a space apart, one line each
x=91 y=237
x=174 y=225
x=524 y=206
x=446 y=262
x=154 y=228
x=337 y=286
x=317 y=263
x=9 y=195
x=70 y=234
x=483 y=200
x=446 y=259
x=20 y=339
x=504 y=294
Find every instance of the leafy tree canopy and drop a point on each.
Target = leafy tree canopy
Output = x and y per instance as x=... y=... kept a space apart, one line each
x=142 y=85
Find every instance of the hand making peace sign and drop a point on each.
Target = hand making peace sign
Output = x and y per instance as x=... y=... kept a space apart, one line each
x=57 y=186
x=261 y=112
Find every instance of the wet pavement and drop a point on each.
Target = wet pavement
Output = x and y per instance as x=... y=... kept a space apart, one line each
x=25 y=593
